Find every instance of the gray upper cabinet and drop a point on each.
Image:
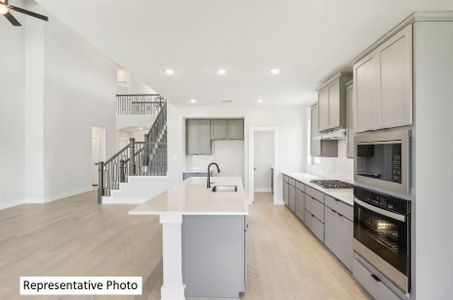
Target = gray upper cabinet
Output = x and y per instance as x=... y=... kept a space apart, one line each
x=198 y=137
x=323 y=109
x=335 y=105
x=315 y=141
x=396 y=80
x=318 y=147
x=219 y=129
x=200 y=133
x=350 y=118
x=366 y=93
x=332 y=103
x=383 y=84
x=235 y=129
x=227 y=129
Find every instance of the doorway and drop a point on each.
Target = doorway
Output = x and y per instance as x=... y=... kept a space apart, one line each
x=97 y=151
x=263 y=164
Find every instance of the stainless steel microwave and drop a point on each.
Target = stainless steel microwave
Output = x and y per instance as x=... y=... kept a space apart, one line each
x=382 y=161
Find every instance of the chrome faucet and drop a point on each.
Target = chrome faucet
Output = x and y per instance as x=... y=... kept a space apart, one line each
x=209 y=173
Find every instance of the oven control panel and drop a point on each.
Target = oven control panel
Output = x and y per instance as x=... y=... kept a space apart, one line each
x=384 y=201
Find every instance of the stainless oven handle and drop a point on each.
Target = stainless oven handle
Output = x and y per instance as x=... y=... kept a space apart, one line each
x=381 y=211
x=380 y=143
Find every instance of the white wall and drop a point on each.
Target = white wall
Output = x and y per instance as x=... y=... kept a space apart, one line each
x=288 y=119
x=55 y=87
x=12 y=116
x=433 y=73
x=263 y=160
x=80 y=85
x=340 y=167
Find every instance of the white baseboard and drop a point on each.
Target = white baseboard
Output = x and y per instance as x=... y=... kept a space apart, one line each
x=263 y=189
x=63 y=195
x=279 y=202
x=11 y=203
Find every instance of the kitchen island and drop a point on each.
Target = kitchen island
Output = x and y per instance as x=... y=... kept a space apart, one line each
x=203 y=238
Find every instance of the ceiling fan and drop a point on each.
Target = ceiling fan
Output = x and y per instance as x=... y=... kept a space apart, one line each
x=5 y=8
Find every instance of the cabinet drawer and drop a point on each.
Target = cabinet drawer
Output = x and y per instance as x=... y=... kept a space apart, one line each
x=285 y=178
x=300 y=186
x=315 y=194
x=340 y=207
x=300 y=204
x=314 y=225
x=315 y=207
x=376 y=288
x=291 y=181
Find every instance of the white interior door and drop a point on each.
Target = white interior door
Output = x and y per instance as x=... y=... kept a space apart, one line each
x=96 y=156
x=97 y=150
x=263 y=160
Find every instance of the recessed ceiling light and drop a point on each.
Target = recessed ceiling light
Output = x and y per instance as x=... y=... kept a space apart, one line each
x=260 y=100
x=169 y=72
x=227 y=101
x=193 y=101
x=140 y=128
x=221 y=71
x=275 y=71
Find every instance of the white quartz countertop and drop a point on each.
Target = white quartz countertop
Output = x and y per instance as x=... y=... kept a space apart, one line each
x=191 y=197
x=344 y=195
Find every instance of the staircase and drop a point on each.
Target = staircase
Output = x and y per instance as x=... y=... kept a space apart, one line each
x=131 y=172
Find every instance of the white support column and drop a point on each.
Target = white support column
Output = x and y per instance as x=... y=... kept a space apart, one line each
x=173 y=286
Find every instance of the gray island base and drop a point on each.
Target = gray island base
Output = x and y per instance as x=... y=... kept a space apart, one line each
x=203 y=239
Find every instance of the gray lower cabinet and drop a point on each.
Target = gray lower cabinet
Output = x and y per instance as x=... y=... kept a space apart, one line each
x=198 y=137
x=285 y=192
x=371 y=282
x=300 y=204
x=292 y=198
x=339 y=235
x=214 y=256
x=315 y=225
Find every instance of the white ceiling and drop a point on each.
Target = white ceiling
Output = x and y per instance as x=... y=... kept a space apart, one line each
x=307 y=40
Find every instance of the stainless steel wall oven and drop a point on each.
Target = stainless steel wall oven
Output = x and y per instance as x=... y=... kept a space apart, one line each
x=382 y=234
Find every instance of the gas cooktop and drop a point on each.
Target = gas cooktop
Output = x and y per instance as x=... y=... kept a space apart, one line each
x=332 y=184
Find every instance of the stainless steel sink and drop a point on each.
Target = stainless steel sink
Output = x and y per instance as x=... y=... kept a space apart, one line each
x=225 y=189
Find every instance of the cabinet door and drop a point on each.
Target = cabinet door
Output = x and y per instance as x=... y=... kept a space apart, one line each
x=192 y=137
x=205 y=137
x=219 y=129
x=345 y=252
x=198 y=140
x=334 y=104
x=300 y=204
x=323 y=109
x=285 y=192
x=315 y=141
x=367 y=106
x=236 y=129
x=331 y=230
x=292 y=198
x=350 y=119
x=395 y=87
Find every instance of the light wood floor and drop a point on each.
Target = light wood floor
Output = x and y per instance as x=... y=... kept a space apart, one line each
x=75 y=236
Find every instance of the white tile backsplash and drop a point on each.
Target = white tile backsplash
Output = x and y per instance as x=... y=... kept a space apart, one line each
x=339 y=167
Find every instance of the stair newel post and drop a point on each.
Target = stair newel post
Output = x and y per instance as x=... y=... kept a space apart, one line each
x=132 y=157
x=101 y=181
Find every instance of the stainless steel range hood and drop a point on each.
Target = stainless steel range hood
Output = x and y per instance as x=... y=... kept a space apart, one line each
x=338 y=134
